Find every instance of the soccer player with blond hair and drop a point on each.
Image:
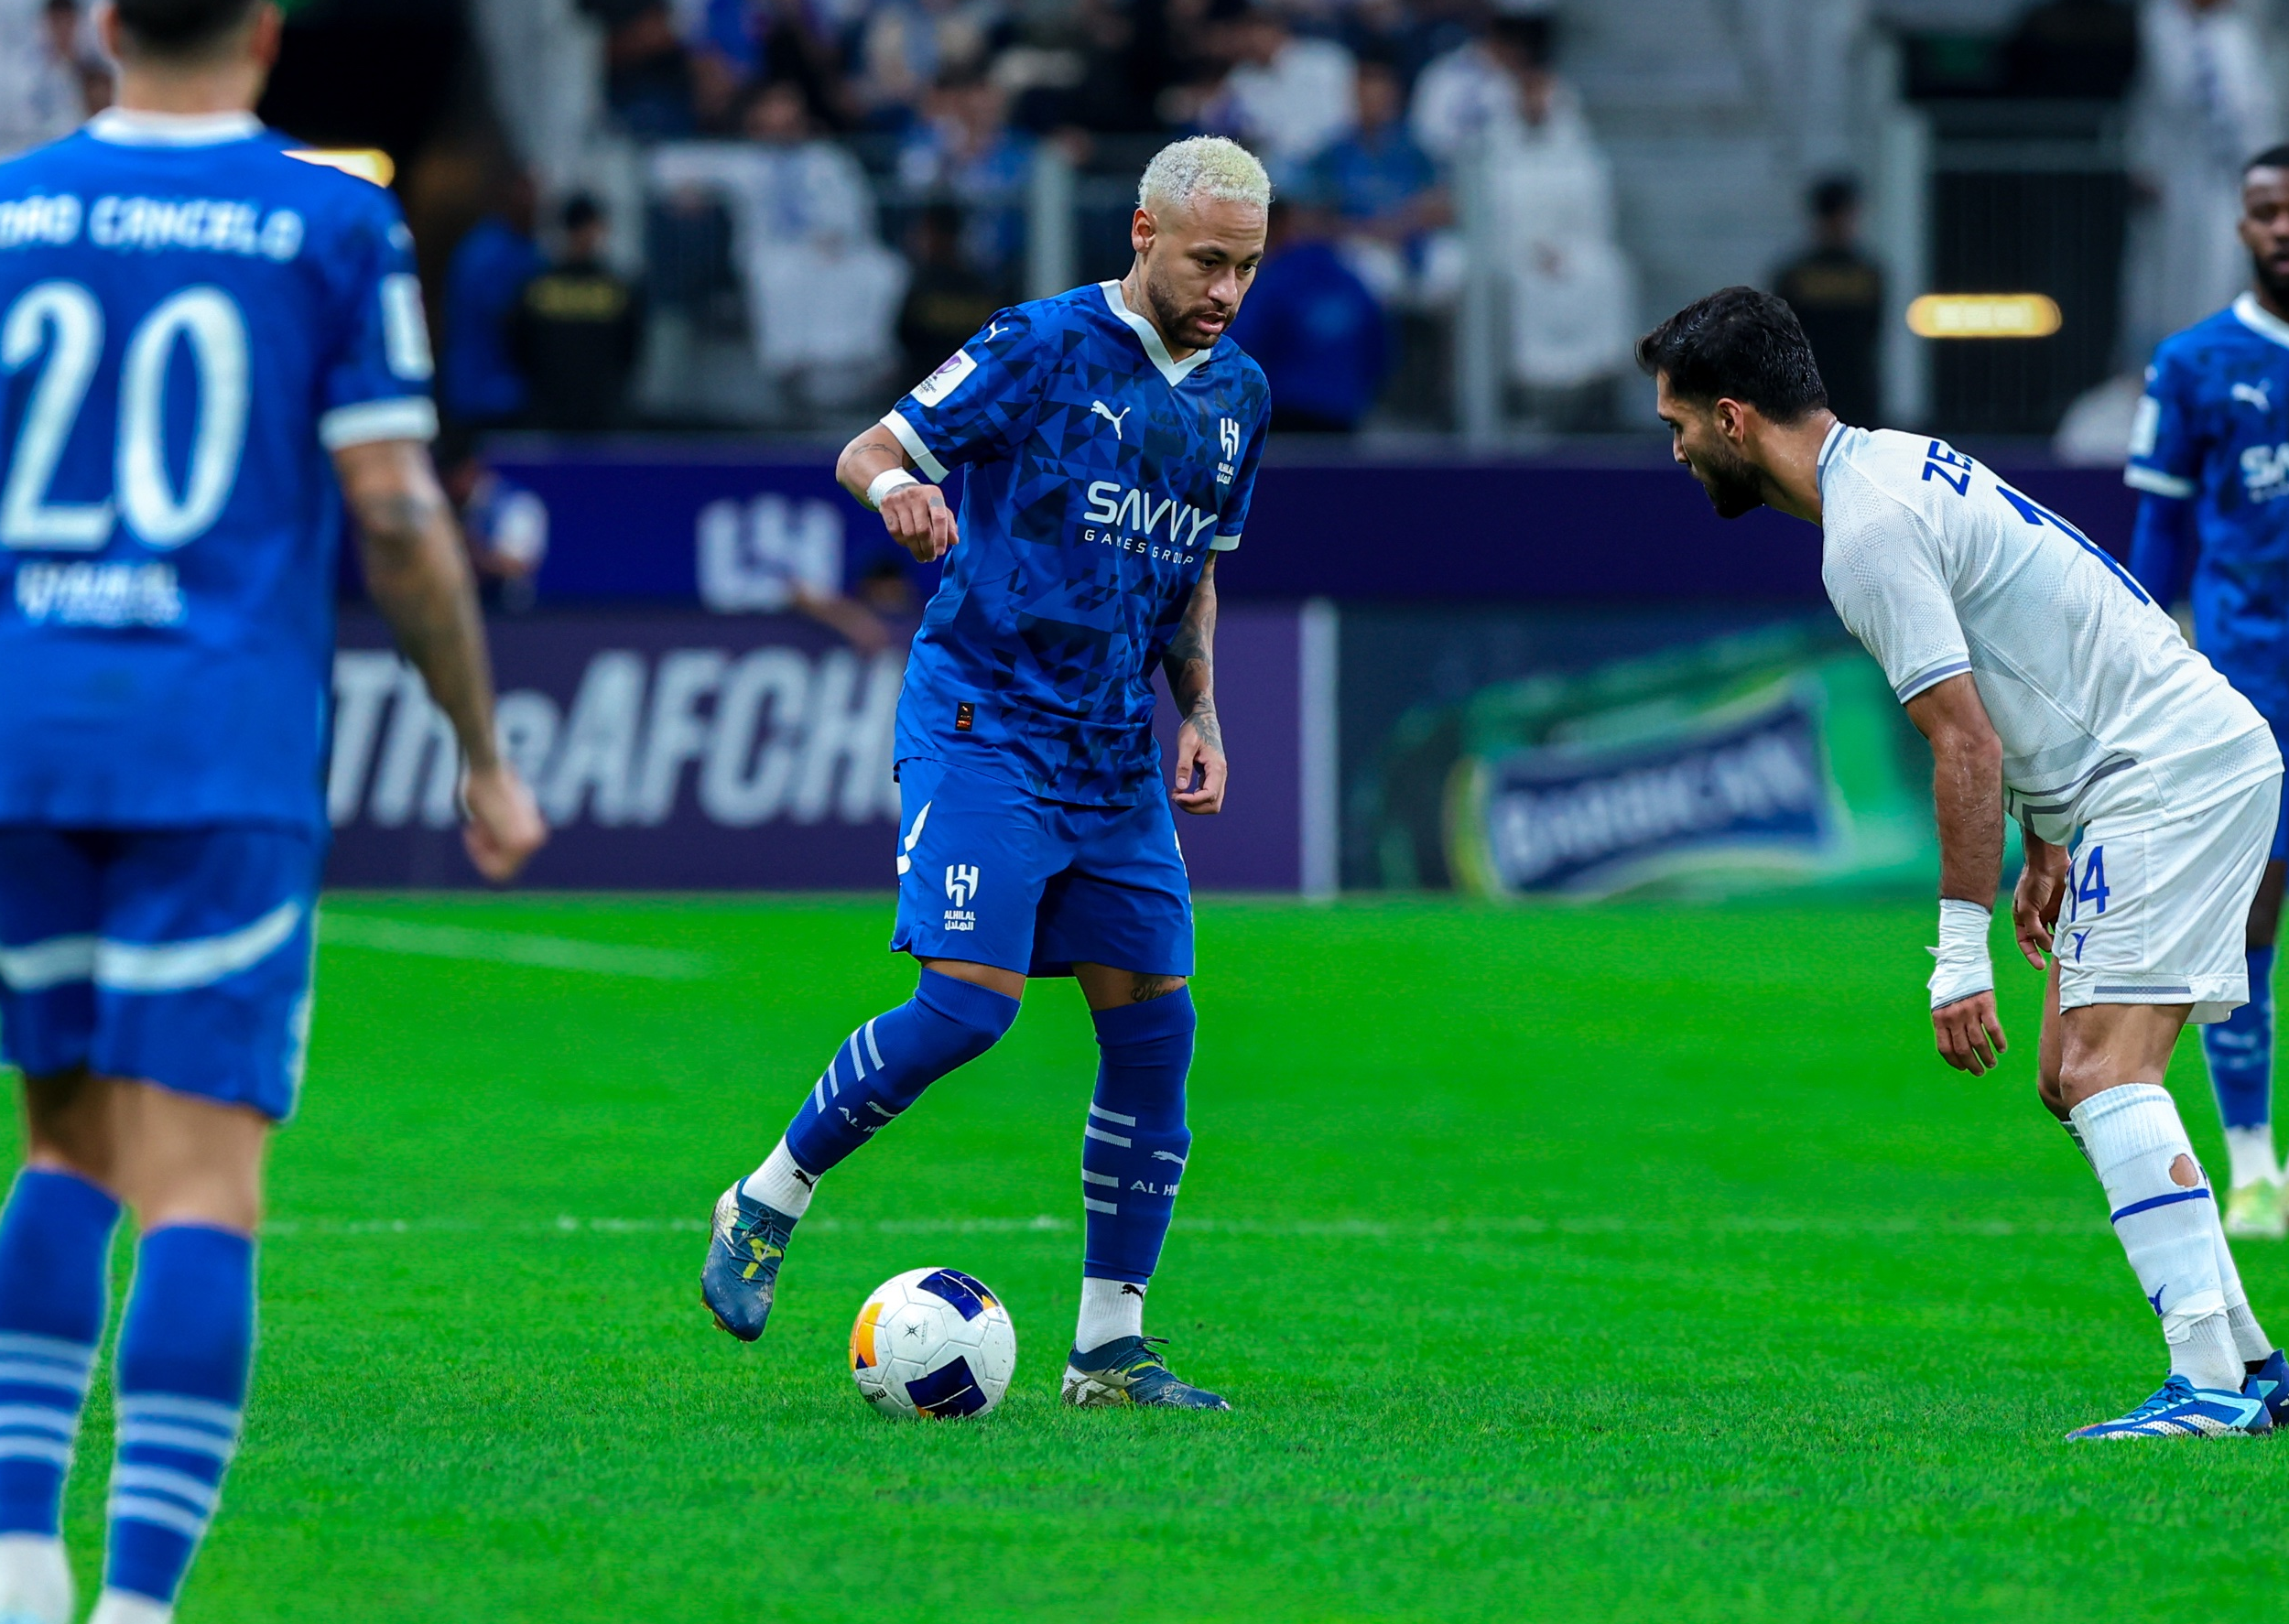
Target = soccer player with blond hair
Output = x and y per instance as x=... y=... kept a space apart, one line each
x=1112 y=436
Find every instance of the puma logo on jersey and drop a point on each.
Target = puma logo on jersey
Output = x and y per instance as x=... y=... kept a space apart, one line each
x=1099 y=409
x=2257 y=394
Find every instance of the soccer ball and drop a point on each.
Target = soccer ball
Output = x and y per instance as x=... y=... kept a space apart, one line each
x=933 y=1343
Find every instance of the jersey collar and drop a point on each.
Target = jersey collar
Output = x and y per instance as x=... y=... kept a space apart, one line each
x=2261 y=320
x=135 y=127
x=1176 y=372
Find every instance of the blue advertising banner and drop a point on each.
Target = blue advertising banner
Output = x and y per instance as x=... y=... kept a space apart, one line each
x=682 y=751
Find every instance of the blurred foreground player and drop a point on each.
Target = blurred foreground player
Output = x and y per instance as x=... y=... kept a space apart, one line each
x=200 y=333
x=1111 y=442
x=2210 y=454
x=2054 y=691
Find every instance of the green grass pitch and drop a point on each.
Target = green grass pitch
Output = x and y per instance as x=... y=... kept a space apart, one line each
x=1630 y=1264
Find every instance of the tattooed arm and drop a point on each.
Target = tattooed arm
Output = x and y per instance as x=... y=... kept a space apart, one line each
x=419 y=576
x=1190 y=668
x=915 y=513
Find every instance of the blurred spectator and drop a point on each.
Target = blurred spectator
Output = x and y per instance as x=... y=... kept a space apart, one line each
x=949 y=299
x=504 y=526
x=906 y=46
x=966 y=148
x=822 y=291
x=50 y=75
x=1287 y=97
x=1313 y=326
x=480 y=384
x=1836 y=292
x=579 y=327
x=1494 y=88
x=1572 y=292
x=2077 y=49
x=648 y=71
x=1119 y=84
x=1387 y=198
x=2205 y=104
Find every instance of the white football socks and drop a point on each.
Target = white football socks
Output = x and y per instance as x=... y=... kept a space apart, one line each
x=2166 y=1220
x=35 y=1579
x=1111 y=1309
x=780 y=1184
x=2249 y=1345
x=2249 y=1158
x=125 y=1607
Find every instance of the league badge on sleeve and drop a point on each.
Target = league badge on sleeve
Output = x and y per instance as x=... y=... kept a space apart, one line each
x=946 y=379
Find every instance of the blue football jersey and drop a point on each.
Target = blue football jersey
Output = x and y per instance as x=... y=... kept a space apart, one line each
x=1101 y=475
x=2214 y=429
x=191 y=319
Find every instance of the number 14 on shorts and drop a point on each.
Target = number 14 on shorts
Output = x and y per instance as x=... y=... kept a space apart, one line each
x=2085 y=897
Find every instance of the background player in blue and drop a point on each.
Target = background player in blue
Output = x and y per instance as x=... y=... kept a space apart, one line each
x=204 y=344
x=1111 y=444
x=2211 y=455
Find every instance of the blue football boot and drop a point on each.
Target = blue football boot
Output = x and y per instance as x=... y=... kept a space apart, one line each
x=2180 y=1410
x=746 y=1243
x=2270 y=1382
x=1130 y=1371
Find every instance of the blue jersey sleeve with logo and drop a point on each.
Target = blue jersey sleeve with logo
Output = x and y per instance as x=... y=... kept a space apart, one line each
x=191 y=321
x=1101 y=474
x=2213 y=429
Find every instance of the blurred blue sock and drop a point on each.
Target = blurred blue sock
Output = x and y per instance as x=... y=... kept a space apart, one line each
x=55 y=1244
x=2241 y=1052
x=184 y=1353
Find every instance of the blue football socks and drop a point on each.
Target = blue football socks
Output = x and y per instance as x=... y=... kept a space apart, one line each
x=1134 y=1149
x=2241 y=1050
x=184 y=1352
x=55 y=1246
x=885 y=1064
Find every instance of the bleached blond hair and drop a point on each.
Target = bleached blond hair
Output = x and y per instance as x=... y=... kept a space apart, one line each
x=1203 y=168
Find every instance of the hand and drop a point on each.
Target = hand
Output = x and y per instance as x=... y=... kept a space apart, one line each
x=504 y=826
x=1970 y=1033
x=920 y=521
x=1200 y=747
x=2034 y=903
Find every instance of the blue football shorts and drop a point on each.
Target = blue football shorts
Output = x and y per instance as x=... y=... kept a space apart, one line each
x=989 y=874
x=175 y=956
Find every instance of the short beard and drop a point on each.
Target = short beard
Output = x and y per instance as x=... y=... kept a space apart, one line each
x=1733 y=484
x=2276 y=288
x=1166 y=313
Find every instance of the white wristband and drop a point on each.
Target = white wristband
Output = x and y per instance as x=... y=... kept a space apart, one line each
x=884 y=483
x=1964 y=967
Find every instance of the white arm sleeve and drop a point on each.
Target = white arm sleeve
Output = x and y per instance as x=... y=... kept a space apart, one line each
x=1891 y=590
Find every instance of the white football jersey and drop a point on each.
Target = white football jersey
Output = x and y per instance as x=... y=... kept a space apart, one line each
x=2103 y=708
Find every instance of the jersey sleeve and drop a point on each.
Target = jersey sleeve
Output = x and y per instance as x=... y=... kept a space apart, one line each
x=377 y=383
x=1233 y=520
x=979 y=404
x=2164 y=442
x=1892 y=593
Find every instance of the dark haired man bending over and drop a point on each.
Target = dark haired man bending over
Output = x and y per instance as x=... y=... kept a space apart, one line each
x=2052 y=690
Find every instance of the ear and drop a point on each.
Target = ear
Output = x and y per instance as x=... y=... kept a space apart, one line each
x=1733 y=420
x=268 y=35
x=1142 y=230
x=108 y=31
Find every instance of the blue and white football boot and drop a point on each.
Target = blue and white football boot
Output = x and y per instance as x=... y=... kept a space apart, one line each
x=1130 y=1371
x=2270 y=1382
x=745 y=1246
x=2180 y=1410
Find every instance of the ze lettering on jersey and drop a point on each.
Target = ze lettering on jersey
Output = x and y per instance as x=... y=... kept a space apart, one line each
x=1128 y=513
x=2265 y=473
x=1943 y=462
x=218 y=226
x=39 y=221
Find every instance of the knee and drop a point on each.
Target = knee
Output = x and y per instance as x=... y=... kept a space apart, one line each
x=2048 y=1090
x=1157 y=1030
x=971 y=1019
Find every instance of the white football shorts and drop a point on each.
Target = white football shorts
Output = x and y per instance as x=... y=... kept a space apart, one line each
x=2159 y=915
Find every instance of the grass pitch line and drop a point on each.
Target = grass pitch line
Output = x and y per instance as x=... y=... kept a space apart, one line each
x=1842 y=1229
x=510 y=947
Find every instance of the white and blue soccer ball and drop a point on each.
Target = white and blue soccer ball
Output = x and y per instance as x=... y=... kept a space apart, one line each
x=933 y=1343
